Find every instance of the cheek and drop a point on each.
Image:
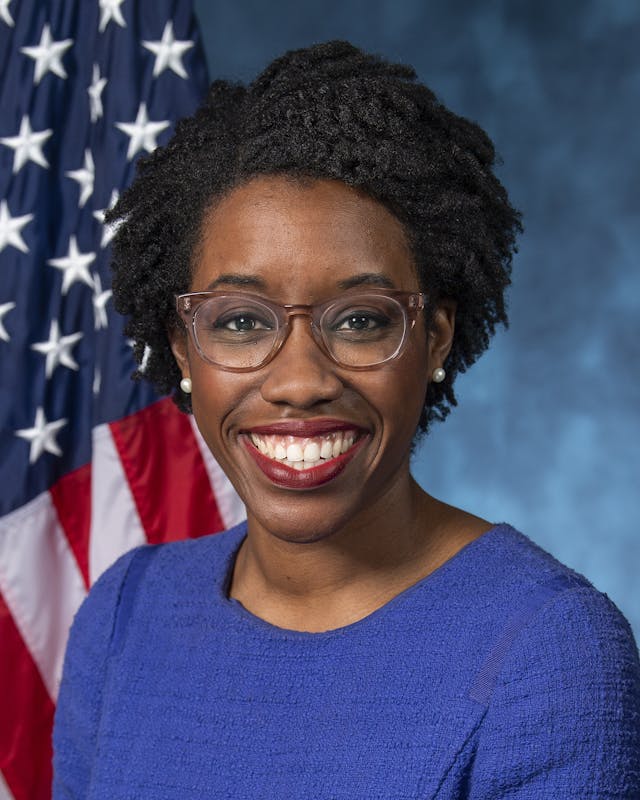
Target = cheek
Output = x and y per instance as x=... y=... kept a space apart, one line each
x=413 y=385
x=411 y=372
x=398 y=394
x=214 y=396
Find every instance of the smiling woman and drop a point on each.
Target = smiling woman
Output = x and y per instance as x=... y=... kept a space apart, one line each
x=315 y=373
x=312 y=260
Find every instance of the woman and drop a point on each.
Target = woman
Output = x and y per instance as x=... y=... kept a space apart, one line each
x=311 y=261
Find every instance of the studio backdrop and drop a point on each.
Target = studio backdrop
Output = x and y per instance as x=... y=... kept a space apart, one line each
x=547 y=428
x=546 y=435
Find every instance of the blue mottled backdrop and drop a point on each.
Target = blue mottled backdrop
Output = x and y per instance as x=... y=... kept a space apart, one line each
x=547 y=433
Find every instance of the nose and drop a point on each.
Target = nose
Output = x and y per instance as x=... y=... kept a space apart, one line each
x=301 y=375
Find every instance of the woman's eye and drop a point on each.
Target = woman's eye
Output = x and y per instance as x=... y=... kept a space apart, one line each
x=361 y=321
x=242 y=323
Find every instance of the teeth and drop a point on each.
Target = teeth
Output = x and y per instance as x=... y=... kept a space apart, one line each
x=347 y=442
x=294 y=453
x=304 y=452
x=311 y=452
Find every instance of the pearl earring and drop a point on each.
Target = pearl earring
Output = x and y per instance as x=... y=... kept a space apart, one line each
x=185 y=385
x=438 y=375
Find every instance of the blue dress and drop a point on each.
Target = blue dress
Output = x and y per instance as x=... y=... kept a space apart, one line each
x=501 y=675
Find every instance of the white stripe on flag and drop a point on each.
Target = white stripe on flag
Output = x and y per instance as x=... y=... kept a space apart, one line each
x=5 y=794
x=41 y=583
x=230 y=506
x=115 y=523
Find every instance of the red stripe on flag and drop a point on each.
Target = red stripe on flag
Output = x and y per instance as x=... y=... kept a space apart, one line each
x=26 y=717
x=166 y=473
x=71 y=497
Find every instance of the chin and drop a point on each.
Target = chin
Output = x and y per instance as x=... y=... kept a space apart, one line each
x=294 y=523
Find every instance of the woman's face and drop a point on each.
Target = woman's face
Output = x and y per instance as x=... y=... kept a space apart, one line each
x=303 y=243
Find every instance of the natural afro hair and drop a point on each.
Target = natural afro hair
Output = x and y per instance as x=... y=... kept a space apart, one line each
x=327 y=111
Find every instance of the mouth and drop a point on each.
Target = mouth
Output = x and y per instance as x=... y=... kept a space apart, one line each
x=307 y=455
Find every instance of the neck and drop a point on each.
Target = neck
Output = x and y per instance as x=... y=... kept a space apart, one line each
x=348 y=573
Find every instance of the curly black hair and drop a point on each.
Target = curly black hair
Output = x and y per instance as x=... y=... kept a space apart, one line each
x=327 y=111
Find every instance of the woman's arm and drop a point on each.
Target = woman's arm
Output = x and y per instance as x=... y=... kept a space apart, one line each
x=563 y=721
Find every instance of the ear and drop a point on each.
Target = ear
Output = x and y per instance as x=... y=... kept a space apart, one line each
x=441 y=333
x=178 y=341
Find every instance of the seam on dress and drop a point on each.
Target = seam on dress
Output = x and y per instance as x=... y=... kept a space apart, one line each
x=126 y=595
x=485 y=680
x=473 y=732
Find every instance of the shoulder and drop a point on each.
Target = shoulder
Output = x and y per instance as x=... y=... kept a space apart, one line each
x=579 y=637
x=545 y=609
x=97 y=631
x=562 y=713
x=560 y=679
x=157 y=567
x=178 y=558
x=512 y=561
x=79 y=701
x=504 y=575
x=93 y=622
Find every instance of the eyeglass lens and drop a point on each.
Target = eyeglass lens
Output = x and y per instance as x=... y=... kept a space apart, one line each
x=240 y=332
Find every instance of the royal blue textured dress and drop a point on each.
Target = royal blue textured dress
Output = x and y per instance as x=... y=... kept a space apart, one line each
x=501 y=676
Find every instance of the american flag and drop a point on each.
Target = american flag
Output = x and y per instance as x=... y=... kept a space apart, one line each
x=91 y=464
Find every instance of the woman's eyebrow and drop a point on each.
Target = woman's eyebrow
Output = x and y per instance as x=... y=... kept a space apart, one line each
x=233 y=279
x=255 y=282
x=367 y=279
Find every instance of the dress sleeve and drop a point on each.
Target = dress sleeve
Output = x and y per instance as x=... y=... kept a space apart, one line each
x=80 y=698
x=563 y=720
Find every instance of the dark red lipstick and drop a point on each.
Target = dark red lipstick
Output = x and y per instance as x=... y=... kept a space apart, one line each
x=289 y=478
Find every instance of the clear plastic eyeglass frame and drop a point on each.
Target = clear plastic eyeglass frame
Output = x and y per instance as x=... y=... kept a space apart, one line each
x=409 y=303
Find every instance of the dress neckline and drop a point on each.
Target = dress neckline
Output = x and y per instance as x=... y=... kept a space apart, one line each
x=242 y=615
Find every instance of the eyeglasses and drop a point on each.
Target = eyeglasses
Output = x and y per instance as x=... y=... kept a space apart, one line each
x=242 y=332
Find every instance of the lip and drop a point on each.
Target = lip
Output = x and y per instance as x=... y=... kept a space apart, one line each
x=289 y=478
x=304 y=427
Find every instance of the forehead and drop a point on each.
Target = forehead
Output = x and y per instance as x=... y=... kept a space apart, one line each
x=302 y=238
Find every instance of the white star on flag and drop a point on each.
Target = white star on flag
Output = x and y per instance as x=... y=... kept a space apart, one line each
x=145 y=354
x=142 y=133
x=5 y=15
x=145 y=358
x=110 y=10
x=58 y=349
x=48 y=55
x=4 y=309
x=108 y=231
x=42 y=436
x=95 y=94
x=27 y=145
x=168 y=52
x=74 y=266
x=85 y=177
x=100 y=300
x=10 y=228
x=97 y=381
